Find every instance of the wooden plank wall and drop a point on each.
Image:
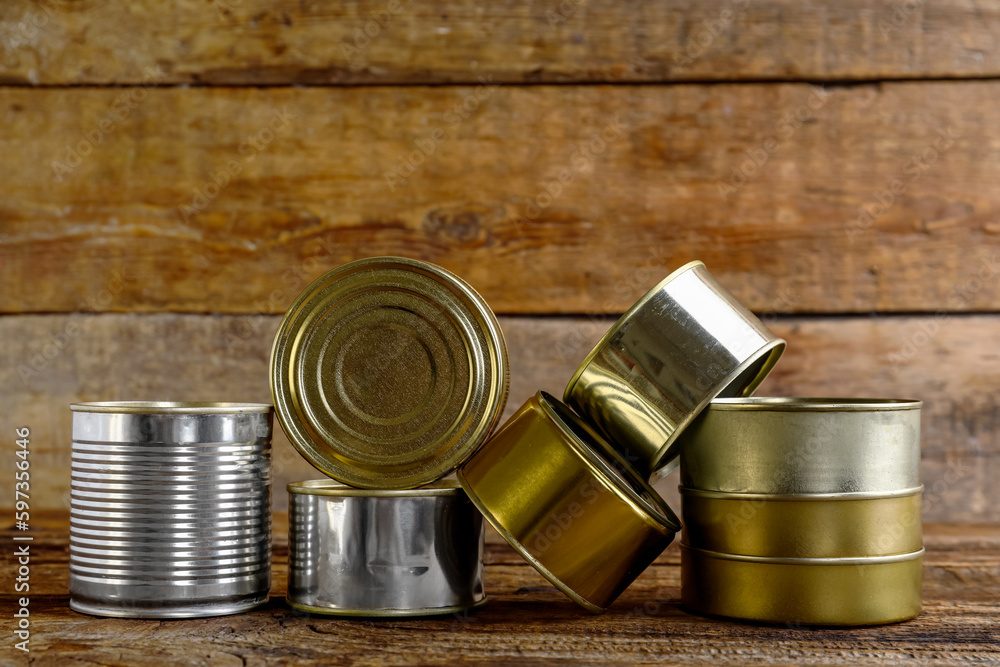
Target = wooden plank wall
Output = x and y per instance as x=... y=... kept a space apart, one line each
x=175 y=173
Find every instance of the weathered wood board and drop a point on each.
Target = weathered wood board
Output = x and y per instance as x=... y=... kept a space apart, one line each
x=526 y=620
x=951 y=363
x=262 y=42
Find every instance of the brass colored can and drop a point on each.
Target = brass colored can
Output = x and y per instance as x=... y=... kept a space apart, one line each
x=802 y=591
x=375 y=553
x=803 y=445
x=687 y=341
x=389 y=372
x=847 y=525
x=568 y=503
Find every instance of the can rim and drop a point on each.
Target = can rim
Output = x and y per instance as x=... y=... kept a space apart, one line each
x=331 y=487
x=770 y=560
x=497 y=357
x=800 y=497
x=385 y=612
x=650 y=504
x=170 y=407
x=810 y=404
x=621 y=321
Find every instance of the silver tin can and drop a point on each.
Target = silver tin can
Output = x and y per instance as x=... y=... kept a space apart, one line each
x=356 y=552
x=803 y=445
x=170 y=509
x=687 y=341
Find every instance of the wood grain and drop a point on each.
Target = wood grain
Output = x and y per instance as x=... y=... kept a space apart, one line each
x=264 y=42
x=305 y=188
x=527 y=621
x=201 y=357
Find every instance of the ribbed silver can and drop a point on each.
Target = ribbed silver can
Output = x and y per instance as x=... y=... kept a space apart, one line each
x=171 y=508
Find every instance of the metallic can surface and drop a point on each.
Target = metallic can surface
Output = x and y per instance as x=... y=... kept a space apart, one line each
x=803 y=445
x=357 y=552
x=685 y=342
x=171 y=509
x=802 y=591
x=804 y=526
x=568 y=503
x=388 y=373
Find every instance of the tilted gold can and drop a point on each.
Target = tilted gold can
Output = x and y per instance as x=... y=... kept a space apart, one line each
x=568 y=503
x=388 y=372
x=687 y=341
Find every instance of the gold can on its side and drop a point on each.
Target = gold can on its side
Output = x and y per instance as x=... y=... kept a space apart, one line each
x=804 y=526
x=388 y=372
x=802 y=591
x=685 y=342
x=568 y=503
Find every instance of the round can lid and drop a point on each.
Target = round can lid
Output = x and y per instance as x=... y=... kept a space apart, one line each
x=388 y=372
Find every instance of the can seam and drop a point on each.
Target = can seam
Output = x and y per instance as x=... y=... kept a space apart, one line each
x=799 y=497
x=854 y=560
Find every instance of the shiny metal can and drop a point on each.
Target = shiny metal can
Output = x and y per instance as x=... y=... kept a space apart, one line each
x=831 y=525
x=802 y=591
x=170 y=512
x=362 y=552
x=803 y=446
x=568 y=503
x=388 y=372
x=687 y=341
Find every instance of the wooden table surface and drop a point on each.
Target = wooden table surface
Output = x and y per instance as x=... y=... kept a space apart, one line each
x=526 y=620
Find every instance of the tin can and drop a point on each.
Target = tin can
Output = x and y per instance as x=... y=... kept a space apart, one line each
x=846 y=525
x=388 y=373
x=170 y=512
x=356 y=552
x=687 y=341
x=567 y=502
x=803 y=446
x=802 y=591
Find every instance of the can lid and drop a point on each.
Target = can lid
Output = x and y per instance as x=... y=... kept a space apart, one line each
x=607 y=463
x=389 y=372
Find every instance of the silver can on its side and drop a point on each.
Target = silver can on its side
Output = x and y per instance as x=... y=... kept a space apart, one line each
x=687 y=341
x=171 y=508
x=357 y=552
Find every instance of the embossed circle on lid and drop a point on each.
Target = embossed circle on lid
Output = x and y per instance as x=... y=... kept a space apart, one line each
x=388 y=372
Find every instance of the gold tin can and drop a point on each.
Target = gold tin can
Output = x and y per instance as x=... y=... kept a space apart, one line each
x=802 y=591
x=388 y=373
x=850 y=525
x=687 y=341
x=568 y=503
x=803 y=445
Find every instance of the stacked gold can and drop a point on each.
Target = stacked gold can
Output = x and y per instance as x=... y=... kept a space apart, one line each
x=803 y=511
